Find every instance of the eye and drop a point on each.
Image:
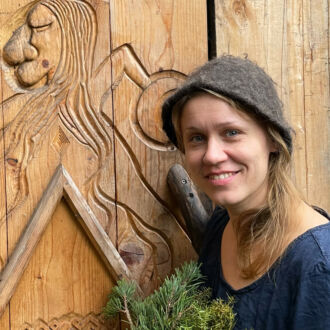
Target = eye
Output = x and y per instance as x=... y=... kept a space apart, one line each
x=41 y=28
x=196 y=138
x=231 y=132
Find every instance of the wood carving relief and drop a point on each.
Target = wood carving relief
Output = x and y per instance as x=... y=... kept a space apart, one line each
x=64 y=102
x=70 y=322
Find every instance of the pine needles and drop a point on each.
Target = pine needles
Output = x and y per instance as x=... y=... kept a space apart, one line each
x=178 y=304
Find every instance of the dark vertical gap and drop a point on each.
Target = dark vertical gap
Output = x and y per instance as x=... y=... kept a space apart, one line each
x=4 y=181
x=211 y=31
x=113 y=129
x=113 y=140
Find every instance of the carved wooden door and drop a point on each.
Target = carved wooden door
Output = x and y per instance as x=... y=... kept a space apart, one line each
x=83 y=196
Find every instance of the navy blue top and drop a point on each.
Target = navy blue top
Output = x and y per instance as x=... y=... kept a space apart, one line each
x=294 y=294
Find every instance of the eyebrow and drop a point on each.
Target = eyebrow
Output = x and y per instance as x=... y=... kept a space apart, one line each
x=226 y=123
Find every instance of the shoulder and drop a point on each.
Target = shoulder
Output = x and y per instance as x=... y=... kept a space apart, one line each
x=309 y=254
x=312 y=293
x=303 y=282
x=321 y=237
x=312 y=244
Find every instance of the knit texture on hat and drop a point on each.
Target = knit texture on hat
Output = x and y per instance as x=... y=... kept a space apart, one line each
x=240 y=80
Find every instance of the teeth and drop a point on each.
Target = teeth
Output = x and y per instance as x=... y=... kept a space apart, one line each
x=221 y=176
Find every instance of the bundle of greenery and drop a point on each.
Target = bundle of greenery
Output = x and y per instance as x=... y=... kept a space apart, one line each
x=180 y=303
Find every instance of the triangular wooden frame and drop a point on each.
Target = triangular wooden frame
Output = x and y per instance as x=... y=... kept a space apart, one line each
x=60 y=186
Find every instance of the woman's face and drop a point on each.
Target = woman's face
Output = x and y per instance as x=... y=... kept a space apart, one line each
x=34 y=48
x=226 y=153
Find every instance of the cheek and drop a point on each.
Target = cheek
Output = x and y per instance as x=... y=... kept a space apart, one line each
x=191 y=158
x=192 y=163
x=260 y=161
x=254 y=156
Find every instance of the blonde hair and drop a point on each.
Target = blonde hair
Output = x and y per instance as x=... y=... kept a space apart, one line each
x=266 y=228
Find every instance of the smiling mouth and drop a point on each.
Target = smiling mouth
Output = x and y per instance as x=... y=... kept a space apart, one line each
x=222 y=176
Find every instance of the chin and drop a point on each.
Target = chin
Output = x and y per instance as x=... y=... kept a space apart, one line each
x=225 y=201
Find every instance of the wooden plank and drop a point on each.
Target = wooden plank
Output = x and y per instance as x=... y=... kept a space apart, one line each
x=79 y=104
x=94 y=230
x=272 y=34
x=60 y=184
x=65 y=284
x=4 y=319
x=19 y=259
x=3 y=218
x=156 y=41
x=79 y=119
x=293 y=87
x=8 y=18
x=316 y=84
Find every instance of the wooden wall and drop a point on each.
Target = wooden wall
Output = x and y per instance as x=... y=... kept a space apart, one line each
x=83 y=160
x=83 y=165
x=290 y=40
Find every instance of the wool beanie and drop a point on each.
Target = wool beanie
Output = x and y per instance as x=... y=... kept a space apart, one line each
x=240 y=80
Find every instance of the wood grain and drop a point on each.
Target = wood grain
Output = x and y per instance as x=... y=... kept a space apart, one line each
x=289 y=39
x=82 y=83
x=19 y=259
x=5 y=319
x=316 y=100
x=158 y=35
x=94 y=230
x=195 y=206
x=65 y=275
x=61 y=185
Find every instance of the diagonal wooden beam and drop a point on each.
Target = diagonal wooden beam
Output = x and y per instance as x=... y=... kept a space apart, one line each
x=61 y=185
x=94 y=230
x=24 y=249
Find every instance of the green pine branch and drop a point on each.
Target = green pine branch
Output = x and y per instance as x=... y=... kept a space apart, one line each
x=179 y=303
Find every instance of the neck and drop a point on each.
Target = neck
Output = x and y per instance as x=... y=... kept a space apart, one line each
x=255 y=201
x=236 y=212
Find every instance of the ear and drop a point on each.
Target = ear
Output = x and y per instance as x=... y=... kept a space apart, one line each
x=272 y=145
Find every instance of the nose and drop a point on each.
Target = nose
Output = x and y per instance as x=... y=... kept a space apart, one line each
x=18 y=48
x=215 y=152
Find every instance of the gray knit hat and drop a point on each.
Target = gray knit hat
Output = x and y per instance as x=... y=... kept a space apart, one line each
x=240 y=80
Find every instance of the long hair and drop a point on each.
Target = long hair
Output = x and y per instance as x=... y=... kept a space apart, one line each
x=67 y=96
x=265 y=229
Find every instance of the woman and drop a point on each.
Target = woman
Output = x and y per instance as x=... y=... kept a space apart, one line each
x=263 y=244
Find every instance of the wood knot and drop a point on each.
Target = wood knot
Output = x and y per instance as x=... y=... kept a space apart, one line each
x=239 y=8
x=12 y=161
x=45 y=63
x=131 y=254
